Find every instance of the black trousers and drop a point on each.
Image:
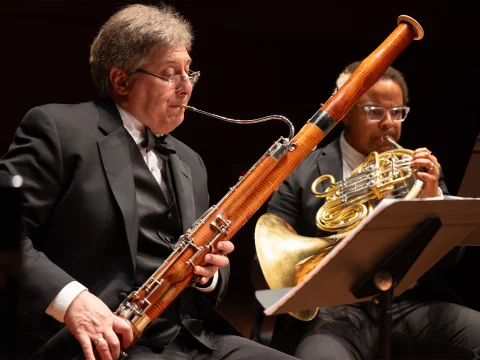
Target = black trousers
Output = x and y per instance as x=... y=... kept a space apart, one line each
x=421 y=330
x=229 y=347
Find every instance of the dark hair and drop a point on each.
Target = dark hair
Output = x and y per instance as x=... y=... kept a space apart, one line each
x=391 y=73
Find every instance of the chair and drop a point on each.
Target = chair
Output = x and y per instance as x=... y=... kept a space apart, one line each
x=256 y=334
x=259 y=283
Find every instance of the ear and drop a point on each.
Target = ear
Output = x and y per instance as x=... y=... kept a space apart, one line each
x=119 y=80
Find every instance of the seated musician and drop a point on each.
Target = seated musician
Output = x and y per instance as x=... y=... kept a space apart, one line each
x=425 y=317
x=106 y=199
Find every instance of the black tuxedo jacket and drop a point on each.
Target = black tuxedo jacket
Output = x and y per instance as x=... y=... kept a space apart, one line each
x=80 y=214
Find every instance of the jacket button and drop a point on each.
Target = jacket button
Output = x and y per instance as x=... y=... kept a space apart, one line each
x=170 y=216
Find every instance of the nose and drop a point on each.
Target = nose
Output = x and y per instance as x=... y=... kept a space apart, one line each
x=387 y=121
x=185 y=87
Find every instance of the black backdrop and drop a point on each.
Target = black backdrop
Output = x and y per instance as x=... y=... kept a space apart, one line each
x=259 y=58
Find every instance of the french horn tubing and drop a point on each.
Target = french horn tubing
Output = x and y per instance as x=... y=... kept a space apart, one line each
x=286 y=258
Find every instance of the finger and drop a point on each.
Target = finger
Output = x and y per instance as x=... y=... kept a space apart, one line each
x=421 y=162
x=205 y=271
x=124 y=329
x=86 y=345
x=427 y=164
x=422 y=155
x=425 y=155
x=226 y=247
x=204 y=280
x=216 y=260
x=113 y=343
x=103 y=349
x=422 y=149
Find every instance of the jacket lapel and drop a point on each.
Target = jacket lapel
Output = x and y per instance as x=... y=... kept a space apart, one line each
x=330 y=162
x=118 y=169
x=183 y=187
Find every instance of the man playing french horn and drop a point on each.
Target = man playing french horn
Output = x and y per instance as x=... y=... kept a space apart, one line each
x=423 y=317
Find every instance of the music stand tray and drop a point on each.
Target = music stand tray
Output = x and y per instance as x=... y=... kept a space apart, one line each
x=382 y=257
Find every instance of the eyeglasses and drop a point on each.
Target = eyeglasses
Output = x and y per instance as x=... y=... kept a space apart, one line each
x=377 y=113
x=176 y=81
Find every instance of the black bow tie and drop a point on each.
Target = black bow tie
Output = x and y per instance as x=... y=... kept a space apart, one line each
x=162 y=144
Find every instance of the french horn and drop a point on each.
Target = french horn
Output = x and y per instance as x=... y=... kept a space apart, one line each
x=286 y=258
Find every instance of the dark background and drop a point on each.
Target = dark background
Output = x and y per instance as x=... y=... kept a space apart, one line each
x=259 y=58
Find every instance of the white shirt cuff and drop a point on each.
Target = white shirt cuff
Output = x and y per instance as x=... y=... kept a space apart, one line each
x=64 y=298
x=440 y=192
x=212 y=285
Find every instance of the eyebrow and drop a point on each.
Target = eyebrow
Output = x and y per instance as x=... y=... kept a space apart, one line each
x=173 y=62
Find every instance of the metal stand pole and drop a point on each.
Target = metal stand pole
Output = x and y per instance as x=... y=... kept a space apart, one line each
x=384 y=282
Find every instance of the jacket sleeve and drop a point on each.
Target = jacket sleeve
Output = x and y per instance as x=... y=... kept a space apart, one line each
x=286 y=201
x=36 y=156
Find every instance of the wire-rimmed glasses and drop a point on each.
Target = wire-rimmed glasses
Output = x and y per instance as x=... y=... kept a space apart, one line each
x=177 y=81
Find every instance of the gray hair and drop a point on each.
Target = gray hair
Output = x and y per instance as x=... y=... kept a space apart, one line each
x=390 y=74
x=128 y=38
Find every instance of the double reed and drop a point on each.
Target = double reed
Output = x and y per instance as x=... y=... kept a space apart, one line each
x=223 y=220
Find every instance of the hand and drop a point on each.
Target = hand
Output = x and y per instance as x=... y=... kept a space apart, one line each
x=423 y=157
x=91 y=321
x=214 y=261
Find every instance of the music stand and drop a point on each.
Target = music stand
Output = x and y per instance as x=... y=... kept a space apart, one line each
x=469 y=187
x=381 y=258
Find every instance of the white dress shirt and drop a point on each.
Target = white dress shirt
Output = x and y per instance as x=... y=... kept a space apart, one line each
x=155 y=163
x=351 y=158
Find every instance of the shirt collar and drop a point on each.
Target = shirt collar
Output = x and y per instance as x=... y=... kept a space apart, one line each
x=352 y=157
x=133 y=126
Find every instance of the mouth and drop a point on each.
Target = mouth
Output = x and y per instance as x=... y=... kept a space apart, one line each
x=383 y=140
x=177 y=108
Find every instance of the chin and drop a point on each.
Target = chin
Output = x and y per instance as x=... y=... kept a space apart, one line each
x=174 y=122
x=178 y=121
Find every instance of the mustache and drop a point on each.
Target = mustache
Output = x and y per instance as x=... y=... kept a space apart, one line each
x=388 y=134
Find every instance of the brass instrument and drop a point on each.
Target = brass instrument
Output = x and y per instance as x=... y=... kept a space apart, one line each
x=286 y=258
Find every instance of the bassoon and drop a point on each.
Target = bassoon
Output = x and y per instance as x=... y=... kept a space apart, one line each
x=221 y=221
